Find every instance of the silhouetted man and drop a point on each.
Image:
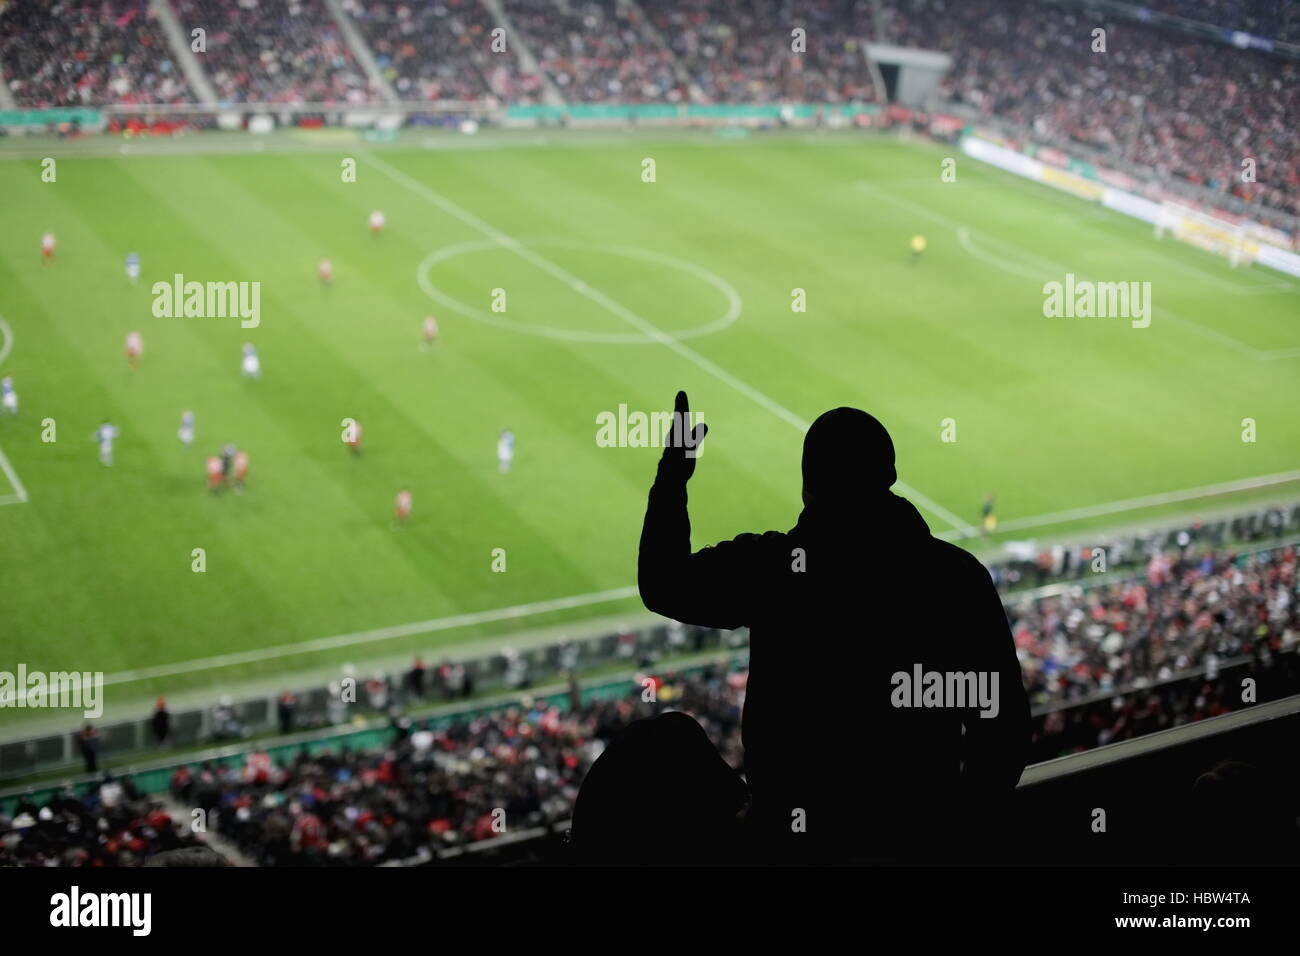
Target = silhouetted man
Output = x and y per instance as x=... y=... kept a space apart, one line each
x=872 y=644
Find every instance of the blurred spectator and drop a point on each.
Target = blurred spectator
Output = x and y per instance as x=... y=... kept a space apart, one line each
x=87 y=53
x=88 y=744
x=1132 y=632
x=431 y=789
x=441 y=51
x=275 y=51
x=112 y=825
x=225 y=724
x=285 y=709
x=162 y=721
x=415 y=679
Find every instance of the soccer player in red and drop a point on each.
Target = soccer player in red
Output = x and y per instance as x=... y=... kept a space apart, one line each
x=214 y=473
x=241 y=469
x=402 y=508
x=134 y=349
x=47 y=247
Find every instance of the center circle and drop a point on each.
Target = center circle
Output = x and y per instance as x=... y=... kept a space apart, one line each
x=582 y=288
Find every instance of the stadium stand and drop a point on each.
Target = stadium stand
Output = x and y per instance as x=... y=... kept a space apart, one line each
x=440 y=51
x=427 y=793
x=1190 y=608
x=111 y=824
x=275 y=51
x=74 y=53
x=1186 y=107
x=1215 y=691
x=1064 y=561
x=436 y=788
x=1263 y=18
x=743 y=53
x=597 y=50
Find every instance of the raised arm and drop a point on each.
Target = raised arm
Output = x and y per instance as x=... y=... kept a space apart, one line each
x=698 y=588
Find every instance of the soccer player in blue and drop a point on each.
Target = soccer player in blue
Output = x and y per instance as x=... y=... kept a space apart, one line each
x=505 y=450
x=104 y=435
x=8 y=397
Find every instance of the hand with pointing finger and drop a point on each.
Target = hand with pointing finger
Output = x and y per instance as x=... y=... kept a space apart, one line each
x=682 y=443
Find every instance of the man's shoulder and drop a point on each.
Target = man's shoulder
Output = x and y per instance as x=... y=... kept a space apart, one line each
x=956 y=559
x=756 y=541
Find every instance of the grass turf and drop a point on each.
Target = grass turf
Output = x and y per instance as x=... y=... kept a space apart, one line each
x=1051 y=414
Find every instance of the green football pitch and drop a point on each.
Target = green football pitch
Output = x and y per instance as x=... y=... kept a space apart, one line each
x=565 y=286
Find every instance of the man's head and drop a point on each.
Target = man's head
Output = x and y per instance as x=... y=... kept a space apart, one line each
x=847 y=455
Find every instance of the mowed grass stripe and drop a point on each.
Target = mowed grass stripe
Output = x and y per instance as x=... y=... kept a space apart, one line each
x=109 y=507
x=1051 y=416
x=631 y=365
x=345 y=384
x=171 y=354
x=556 y=436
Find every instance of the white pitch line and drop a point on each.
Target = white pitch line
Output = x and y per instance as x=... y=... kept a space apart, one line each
x=430 y=626
x=20 y=493
x=1151 y=501
x=637 y=322
x=434 y=625
x=964 y=235
x=1271 y=284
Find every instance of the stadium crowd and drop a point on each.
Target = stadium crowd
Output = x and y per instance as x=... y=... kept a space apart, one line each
x=275 y=51
x=597 y=50
x=1185 y=107
x=1036 y=566
x=1102 y=664
x=438 y=787
x=1189 y=610
x=440 y=51
x=1181 y=106
x=746 y=53
x=1262 y=18
x=111 y=825
x=1109 y=720
x=82 y=53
